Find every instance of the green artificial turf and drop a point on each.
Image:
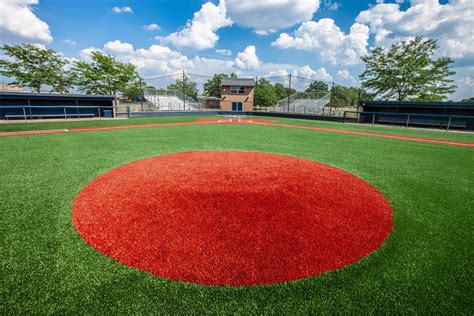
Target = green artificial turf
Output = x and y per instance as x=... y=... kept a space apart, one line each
x=424 y=267
x=389 y=130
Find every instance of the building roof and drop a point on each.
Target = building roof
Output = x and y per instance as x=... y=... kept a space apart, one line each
x=246 y=82
x=417 y=104
x=56 y=96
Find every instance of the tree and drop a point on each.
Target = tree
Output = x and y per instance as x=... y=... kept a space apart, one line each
x=344 y=97
x=212 y=87
x=34 y=67
x=104 y=75
x=408 y=72
x=282 y=91
x=318 y=88
x=190 y=87
x=471 y=99
x=265 y=94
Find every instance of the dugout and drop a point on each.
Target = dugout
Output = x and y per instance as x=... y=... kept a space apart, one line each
x=15 y=105
x=422 y=114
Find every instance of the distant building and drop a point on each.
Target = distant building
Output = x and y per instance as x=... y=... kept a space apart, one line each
x=237 y=94
x=209 y=102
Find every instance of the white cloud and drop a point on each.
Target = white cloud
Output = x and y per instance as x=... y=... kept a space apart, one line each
x=269 y=16
x=325 y=38
x=247 y=59
x=70 y=41
x=118 y=47
x=320 y=74
x=18 y=23
x=451 y=24
x=152 y=27
x=344 y=74
x=200 y=32
x=224 y=52
x=120 y=10
x=86 y=53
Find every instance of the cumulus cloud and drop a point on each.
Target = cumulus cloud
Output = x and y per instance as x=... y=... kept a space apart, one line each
x=120 y=10
x=344 y=74
x=247 y=59
x=118 y=47
x=224 y=52
x=86 y=53
x=269 y=16
x=320 y=74
x=325 y=38
x=200 y=32
x=18 y=23
x=152 y=27
x=450 y=23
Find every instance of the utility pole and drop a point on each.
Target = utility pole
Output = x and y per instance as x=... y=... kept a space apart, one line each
x=331 y=101
x=141 y=94
x=289 y=92
x=184 y=92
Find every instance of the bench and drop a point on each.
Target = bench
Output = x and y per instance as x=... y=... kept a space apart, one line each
x=41 y=116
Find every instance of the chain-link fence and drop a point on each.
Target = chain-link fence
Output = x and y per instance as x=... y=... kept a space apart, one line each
x=281 y=93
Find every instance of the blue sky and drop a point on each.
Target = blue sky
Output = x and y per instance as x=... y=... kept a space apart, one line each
x=319 y=39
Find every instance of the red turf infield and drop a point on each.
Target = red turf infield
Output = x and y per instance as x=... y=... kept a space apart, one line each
x=240 y=121
x=232 y=218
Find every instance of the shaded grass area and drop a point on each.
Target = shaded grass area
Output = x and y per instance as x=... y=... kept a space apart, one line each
x=45 y=125
x=424 y=267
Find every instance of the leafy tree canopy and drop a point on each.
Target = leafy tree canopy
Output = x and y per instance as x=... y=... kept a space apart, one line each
x=468 y=100
x=190 y=87
x=34 y=67
x=104 y=75
x=265 y=94
x=408 y=71
x=282 y=91
x=212 y=87
x=319 y=88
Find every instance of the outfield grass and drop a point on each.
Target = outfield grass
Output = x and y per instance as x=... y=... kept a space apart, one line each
x=389 y=130
x=424 y=267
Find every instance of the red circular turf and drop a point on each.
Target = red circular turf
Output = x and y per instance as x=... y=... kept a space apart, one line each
x=232 y=218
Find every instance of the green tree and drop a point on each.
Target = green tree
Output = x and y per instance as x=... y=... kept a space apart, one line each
x=468 y=100
x=282 y=91
x=265 y=94
x=104 y=75
x=212 y=87
x=344 y=96
x=318 y=88
x=408 y=71
x=34 y=67
x=190 y=87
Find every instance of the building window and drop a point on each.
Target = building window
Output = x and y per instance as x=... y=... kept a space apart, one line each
x=237 y=90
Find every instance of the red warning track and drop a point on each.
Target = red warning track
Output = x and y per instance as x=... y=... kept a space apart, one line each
x=241 y=121
x=232 y=218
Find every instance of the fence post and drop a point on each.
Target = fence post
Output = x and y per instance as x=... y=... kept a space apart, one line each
x=408 y=120
x=24 y=114
x=128 y=111
x=65 y=115
x=373 y=119
x=289 y=93
x=344 y=117
x=449 y=123
x=184 y=93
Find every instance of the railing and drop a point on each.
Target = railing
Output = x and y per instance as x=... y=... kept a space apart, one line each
x=176 y=101
x=301 y=102
x=30 y=112
x=411 y=119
